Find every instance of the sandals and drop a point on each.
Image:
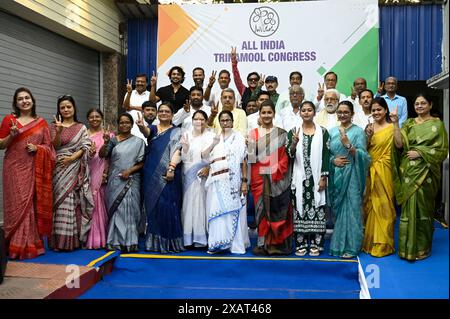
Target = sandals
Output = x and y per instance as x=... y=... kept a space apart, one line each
x=300 y=252
x=314 y=252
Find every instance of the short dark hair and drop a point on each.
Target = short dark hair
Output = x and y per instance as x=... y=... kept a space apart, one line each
x=381 y=102
x=262 y=93
x=14 y=102
x=330 y=72
x=195 y=88
x=198 y=68
x=365 y=90
x=94 y=110
x=149 y=104
x=295 y=72
x=253 y=73
x=66 y=97
x=142 y=75
x=225 y=71
x=168 y=104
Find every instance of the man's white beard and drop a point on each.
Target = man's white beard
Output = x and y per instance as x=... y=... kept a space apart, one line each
x=331 y=108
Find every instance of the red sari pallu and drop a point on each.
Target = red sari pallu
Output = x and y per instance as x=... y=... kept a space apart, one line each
x=27 y=188
x=270 y=186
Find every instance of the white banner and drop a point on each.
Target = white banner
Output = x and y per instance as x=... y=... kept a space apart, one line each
x=312 y=37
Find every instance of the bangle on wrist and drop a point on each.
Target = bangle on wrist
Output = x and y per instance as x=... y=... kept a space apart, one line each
x=171 y=170
x=244 y=179
x=348 y=146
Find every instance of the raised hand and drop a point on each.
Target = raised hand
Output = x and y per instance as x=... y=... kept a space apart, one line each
x=296 y=136
x=380 y=88
x=212 y=78
x=344 y=138
x=369 y=130
x=320 y=91
x=106 y=135
x=129 y=86
x=31 y=147
x=187 y=106
x=58 y=123
x=216 y=139
x=262 y=79
x=215 y=109
x=233 y=54
x=14 y=130
x=354 y=93
x=153 y=79
x=140 y=120
x=185 y=142
x=394 y=115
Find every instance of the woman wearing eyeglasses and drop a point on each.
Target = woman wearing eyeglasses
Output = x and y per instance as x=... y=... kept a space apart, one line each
x=421 y=147
x=27 y=178
x=73 y=201
x=226 y=189
x=162 y=187
x=349 y=162
x=123 y=191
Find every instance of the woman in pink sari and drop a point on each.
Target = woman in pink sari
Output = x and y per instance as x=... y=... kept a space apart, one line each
x=27 y=178
x=73 y=202
x=98 y=168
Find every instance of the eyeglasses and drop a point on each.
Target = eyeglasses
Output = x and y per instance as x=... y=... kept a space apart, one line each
x=64 y=96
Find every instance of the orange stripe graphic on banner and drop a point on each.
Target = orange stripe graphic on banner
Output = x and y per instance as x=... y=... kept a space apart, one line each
x=174 y=28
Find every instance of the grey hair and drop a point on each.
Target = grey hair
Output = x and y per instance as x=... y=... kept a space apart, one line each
x=228 y=90
x=338 y=95
x=301 y=89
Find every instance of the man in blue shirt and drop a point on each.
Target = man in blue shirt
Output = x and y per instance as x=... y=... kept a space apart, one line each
x=393 y=100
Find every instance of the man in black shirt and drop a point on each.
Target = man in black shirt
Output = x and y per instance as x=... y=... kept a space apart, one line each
x=174 y=93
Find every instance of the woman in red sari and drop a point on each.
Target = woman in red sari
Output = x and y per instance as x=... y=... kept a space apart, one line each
x=270 y=185
x=27 y=178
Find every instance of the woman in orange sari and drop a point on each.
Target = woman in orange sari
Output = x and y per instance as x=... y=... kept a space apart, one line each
x=379 y=210
x=27 y=178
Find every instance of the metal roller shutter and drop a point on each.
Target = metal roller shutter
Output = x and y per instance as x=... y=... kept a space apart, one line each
x=49 y=65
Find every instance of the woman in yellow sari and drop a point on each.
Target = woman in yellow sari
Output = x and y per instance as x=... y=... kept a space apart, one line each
x=379 y=210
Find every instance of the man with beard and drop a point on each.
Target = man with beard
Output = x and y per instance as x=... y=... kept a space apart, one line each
x=214 y=97
x=229 y=103
x=330 y=79
x=328 y=117
x=198 y=76
x=289 y=118
x=253 y=120
x=174 y=93
x=195 y=103
x=132 y=102
x=149 y=111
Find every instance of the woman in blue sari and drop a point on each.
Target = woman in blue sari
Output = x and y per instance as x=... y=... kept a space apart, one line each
x=349 y=162
x=162 y=187
x=123 y=195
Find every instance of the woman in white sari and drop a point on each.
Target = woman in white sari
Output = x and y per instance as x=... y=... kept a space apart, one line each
x=226 y=190
x=195 y=171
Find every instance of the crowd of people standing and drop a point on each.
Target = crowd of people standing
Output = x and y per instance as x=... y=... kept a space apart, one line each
x=188 y=172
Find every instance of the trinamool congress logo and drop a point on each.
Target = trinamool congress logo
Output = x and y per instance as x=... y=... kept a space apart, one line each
x=264 y=21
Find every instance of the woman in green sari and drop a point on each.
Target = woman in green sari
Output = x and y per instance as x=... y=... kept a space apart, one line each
x=421 y=146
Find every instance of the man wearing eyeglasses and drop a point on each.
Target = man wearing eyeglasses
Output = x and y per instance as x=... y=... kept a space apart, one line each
x=133 y=100
x=328 y=117
x=229 y=103
x=271 y=83
x=284 y=99
x=289 y=118
x=330 y=82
